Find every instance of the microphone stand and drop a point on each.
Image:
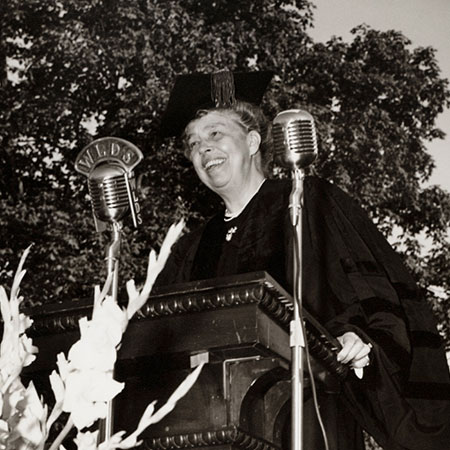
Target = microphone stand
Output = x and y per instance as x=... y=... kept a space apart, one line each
x=112 y=259
x=297 y=337
x=112 y=263
x=108 y=163
x=295 y=144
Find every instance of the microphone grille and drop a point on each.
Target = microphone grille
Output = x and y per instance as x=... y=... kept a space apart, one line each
x=294 y=138
x=110 y=196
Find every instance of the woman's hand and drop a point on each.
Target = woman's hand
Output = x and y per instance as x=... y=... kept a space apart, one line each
x=354 y=351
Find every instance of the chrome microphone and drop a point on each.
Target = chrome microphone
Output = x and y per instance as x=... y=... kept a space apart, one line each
x=110 y=189
x=294 y=139
x=108 y=163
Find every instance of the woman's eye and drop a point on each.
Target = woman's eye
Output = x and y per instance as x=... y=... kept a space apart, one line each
x=193 y=145
x=216 y=134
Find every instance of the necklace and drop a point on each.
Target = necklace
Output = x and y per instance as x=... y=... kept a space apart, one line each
x=230 y=216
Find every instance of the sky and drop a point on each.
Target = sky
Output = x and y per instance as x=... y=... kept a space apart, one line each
x=424 y=22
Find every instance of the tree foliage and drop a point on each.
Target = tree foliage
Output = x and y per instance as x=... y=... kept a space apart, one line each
x=76 y=70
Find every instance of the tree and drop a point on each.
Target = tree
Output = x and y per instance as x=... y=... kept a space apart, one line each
x=78 y=70
x=378 y=100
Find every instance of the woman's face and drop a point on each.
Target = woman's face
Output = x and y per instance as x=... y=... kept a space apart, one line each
x=221 y=150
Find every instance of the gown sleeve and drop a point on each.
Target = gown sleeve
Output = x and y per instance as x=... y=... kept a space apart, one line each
x=354 y=281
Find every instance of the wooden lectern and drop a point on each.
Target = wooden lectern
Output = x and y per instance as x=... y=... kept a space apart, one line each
x=239 y=325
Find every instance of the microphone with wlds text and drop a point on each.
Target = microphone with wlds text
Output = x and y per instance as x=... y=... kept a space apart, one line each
x=108 y=164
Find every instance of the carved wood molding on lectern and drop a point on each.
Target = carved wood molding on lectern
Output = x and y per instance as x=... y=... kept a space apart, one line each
x=204 y=297
x=257 y=289
x=214 y=299
x=232 y=436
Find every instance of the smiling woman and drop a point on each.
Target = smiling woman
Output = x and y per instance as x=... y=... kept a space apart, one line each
x=226 y=157
x=353 y=282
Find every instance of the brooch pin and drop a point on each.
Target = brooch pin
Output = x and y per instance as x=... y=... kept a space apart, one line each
x=230 y=233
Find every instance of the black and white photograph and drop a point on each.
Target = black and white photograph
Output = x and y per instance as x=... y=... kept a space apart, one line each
x=225 y=225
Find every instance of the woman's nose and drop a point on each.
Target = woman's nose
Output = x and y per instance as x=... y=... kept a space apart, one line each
x=204 y=147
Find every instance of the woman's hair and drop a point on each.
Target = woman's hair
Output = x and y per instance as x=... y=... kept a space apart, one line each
x=250 y=117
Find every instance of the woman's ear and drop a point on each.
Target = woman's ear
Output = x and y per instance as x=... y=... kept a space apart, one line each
x=253 y=141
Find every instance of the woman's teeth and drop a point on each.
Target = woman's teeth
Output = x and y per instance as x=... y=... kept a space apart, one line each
x=213 y=163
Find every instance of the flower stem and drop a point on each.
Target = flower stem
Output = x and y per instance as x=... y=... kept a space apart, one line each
x=64 y=432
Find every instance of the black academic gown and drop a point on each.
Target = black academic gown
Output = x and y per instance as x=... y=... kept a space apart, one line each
x=352 y=281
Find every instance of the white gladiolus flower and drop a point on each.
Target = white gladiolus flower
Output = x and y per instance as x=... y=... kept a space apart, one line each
x=31 y=424
x=110 y=312
x=94 y=350
x=86 y=396
x=58 y=389
x=57 y=385
x=16 y=349
x=83 y=384
x=22 y=415
x=87 y=440
x=63 y=365
x=136 y=299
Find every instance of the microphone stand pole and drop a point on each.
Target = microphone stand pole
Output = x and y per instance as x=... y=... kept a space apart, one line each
x=112 y=259
x=112 y=262
x=297 y=338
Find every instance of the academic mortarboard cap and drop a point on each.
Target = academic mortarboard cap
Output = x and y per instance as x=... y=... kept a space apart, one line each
x=201 y=91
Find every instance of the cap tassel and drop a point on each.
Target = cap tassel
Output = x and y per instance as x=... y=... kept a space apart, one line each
x=222 y=89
